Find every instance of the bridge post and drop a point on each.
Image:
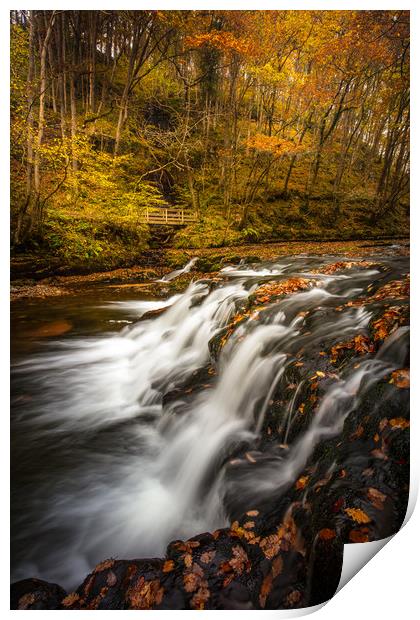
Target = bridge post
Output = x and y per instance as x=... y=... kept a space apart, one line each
x=166 y=216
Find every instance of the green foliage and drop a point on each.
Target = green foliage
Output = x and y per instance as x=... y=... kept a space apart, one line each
x=99 y=243
x=18 y=67
x=211 y=231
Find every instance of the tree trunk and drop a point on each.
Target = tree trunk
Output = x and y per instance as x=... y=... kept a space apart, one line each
x=35 y=211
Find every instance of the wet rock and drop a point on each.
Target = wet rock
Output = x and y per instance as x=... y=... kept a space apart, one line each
x=36 y=594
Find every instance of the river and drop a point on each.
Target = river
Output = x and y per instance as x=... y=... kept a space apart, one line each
x=129 y=430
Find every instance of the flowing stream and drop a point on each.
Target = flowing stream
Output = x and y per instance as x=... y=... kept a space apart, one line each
x=115 y=454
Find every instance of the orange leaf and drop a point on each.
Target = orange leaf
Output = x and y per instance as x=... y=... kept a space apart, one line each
x=253 y=513
x=326 y=534
x=191 y=582
x=249 y=525
x=399 y=423
x=357 y=515
x=401 y=378
x=358 y=536
x=104 y=565
x=302 y=482
x=270 y=546
x=168 y=566
x=188 y=560
x=70 y=599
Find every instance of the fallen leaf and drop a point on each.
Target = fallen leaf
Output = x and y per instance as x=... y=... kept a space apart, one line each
x=401 y=378
x=168 y=566
x=376 y=497
x=249 y=525
x=207 y=557
x=302 y=482
x=326 y=534
x=399 y=423
x=270 y=546
x=253 y=513
x=188 y=560
x=200 y=598
x=70 y=599
x=145 y=594
x=104 y=565
x=191 y=581
x=357 y=536
x=28 y=599
x=357 y=515
x=239 y=560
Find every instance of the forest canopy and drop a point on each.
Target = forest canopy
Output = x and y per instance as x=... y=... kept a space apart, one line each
x=266 y=124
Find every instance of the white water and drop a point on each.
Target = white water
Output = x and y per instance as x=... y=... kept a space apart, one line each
x=132 y=503
x=235 y=272
x=177 y=272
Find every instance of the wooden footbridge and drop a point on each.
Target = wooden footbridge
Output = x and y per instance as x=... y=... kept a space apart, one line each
x=168 y=216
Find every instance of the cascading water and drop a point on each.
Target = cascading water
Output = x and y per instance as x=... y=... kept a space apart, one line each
x=142 y=456
x=177 y=272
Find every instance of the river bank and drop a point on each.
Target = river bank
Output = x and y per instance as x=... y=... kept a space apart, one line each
x=26 y=282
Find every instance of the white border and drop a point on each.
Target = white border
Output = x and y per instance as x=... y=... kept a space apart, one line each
x=388 y=584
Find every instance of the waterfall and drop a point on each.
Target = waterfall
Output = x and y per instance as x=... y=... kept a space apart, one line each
x=155 y=470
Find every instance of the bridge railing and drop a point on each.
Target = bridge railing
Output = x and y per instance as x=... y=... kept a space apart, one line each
x=168 y=216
